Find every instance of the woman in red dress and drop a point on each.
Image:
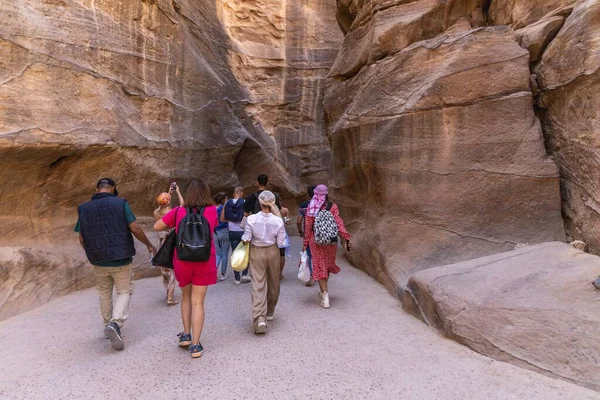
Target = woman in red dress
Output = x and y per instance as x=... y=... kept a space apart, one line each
x=193 y=277
x=323 y=256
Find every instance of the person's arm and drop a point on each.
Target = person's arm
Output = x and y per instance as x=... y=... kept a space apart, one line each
x=166 y=222
x=308 y=230
x=281 y=236
x=222 y=217
x=277 y=201
x=140 y=235
x=247 y=236
x=160 y=225
x=299 y=224
x=179 y=196
x=341 y=227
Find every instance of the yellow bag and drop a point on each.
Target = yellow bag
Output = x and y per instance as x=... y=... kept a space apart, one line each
x=240 y=257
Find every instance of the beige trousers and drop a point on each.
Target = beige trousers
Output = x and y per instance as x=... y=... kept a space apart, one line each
x=264 y=267
x=120 y=278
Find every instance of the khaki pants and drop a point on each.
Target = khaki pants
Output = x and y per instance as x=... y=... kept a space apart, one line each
x=120 y=278
x=264 y=267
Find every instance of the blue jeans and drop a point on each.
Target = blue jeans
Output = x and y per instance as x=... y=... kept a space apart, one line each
x=222 y=248
x=309 y=260
x=235 y=238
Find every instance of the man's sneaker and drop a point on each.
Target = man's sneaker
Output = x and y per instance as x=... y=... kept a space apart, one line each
x=237 y=282
x=113 y=332
x=185 y=339
x=261 y=327
x=325 y=300
x=246 y=278
x=222 y=278
x=270 y=317
x=196 y=350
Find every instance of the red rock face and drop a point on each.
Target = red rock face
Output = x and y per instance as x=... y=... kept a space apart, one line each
x=438 y=155
x=569 y=102
x=146 y=91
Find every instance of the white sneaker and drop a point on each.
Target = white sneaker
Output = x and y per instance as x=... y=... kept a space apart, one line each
x=270 y=317
x=325 y=300
x=246 y=278
x=261 y=327
x=237 y=282
x=222 y=278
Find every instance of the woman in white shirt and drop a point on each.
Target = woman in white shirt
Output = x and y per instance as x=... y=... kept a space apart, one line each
x=266 y=232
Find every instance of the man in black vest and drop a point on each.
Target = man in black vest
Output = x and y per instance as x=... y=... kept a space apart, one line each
x=105 y=227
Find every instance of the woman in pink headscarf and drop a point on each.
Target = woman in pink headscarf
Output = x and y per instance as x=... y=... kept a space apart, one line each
x=323 y=255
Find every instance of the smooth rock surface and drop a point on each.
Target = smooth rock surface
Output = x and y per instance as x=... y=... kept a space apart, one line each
x=569 y=102
x=438 y=156
x=373 y=350
x=535 y=307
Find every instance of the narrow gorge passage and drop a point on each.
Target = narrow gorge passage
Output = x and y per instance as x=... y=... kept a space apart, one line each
x=364 y=347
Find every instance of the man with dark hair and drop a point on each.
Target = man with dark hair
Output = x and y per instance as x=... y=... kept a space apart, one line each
x=301 y=228
x=106 y=227
x=252 y=205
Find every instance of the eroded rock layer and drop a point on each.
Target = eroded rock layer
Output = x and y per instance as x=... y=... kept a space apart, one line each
x=149 y=90
x=569 y=104
x=534 y=307
x=437 y=153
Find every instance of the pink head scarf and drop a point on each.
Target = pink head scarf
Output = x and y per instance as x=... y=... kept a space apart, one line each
x=317 y=201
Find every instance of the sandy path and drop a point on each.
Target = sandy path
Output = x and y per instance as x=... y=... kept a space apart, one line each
x=364 y=347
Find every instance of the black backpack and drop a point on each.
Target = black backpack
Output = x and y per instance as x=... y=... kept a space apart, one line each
x=234 y=212
x=194 y=237
x=325 y=228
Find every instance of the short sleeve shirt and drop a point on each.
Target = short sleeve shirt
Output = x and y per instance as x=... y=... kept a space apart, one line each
x=129 y=217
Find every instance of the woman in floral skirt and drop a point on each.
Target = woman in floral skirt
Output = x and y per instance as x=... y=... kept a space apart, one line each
x=323 y=256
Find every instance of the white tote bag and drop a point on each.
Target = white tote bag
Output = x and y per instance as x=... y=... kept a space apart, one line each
x=303 y=270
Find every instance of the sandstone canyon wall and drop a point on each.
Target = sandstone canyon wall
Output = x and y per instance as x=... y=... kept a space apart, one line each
x=438 y=155
x=145 y=91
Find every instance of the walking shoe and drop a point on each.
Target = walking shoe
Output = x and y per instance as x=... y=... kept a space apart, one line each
x=196 y=350
x=311 y=282
x=113 y=333
x=185 y=339
x=222 y=278
x=325 y=300
x=237 y=282
x=261 y=327
x=270 y=317
x=246 y=278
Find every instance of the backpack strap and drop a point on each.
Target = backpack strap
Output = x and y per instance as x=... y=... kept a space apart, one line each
x=329 y=205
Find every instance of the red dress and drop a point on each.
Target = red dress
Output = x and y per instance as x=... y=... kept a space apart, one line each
x=323 y=256
x=191 y=272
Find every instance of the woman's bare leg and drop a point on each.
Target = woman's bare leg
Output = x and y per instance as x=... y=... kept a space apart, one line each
x=323 y=285
x=198 y=296
x=186 y=308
